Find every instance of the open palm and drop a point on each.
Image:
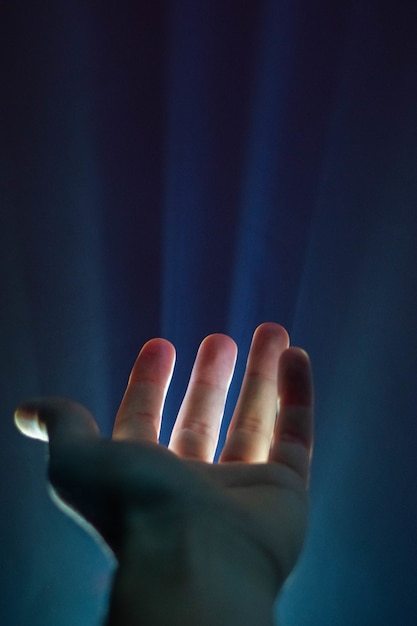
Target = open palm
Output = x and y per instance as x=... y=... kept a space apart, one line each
x=258 y=487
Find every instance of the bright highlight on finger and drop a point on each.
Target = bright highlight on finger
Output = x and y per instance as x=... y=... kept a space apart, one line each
x=196 y=430
x=54 y=419
x=140 y=412
x=27 y=421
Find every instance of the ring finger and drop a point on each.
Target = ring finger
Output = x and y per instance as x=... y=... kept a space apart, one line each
x=251 y=429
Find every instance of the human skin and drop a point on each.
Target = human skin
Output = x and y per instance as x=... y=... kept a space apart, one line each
x=196 y=542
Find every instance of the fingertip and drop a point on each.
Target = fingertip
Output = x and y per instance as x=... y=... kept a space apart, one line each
x=159 y=346
x=219 y=341
x=155 y=361
x=158 y=351
x=297 y=355
x=295 y=378
x=27 y=422
x=268 y=330
x=54 y=417
x=215 y=360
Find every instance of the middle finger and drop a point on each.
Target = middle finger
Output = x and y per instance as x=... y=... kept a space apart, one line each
x=196 y=430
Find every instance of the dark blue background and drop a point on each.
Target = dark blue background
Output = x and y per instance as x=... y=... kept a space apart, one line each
x=180 y=168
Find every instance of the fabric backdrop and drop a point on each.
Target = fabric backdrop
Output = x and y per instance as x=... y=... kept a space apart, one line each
x=194 y=166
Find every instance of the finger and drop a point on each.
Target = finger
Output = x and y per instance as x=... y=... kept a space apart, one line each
x=140 y=412
x=196 y=430
x=54 y=420
x=250 y=432
x=293 y=437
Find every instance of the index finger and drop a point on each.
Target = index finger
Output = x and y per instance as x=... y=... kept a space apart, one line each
x=140 y=412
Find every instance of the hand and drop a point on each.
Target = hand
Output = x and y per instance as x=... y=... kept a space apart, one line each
x=132 y=486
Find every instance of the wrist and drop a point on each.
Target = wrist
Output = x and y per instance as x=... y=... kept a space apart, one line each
x=187 y=569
